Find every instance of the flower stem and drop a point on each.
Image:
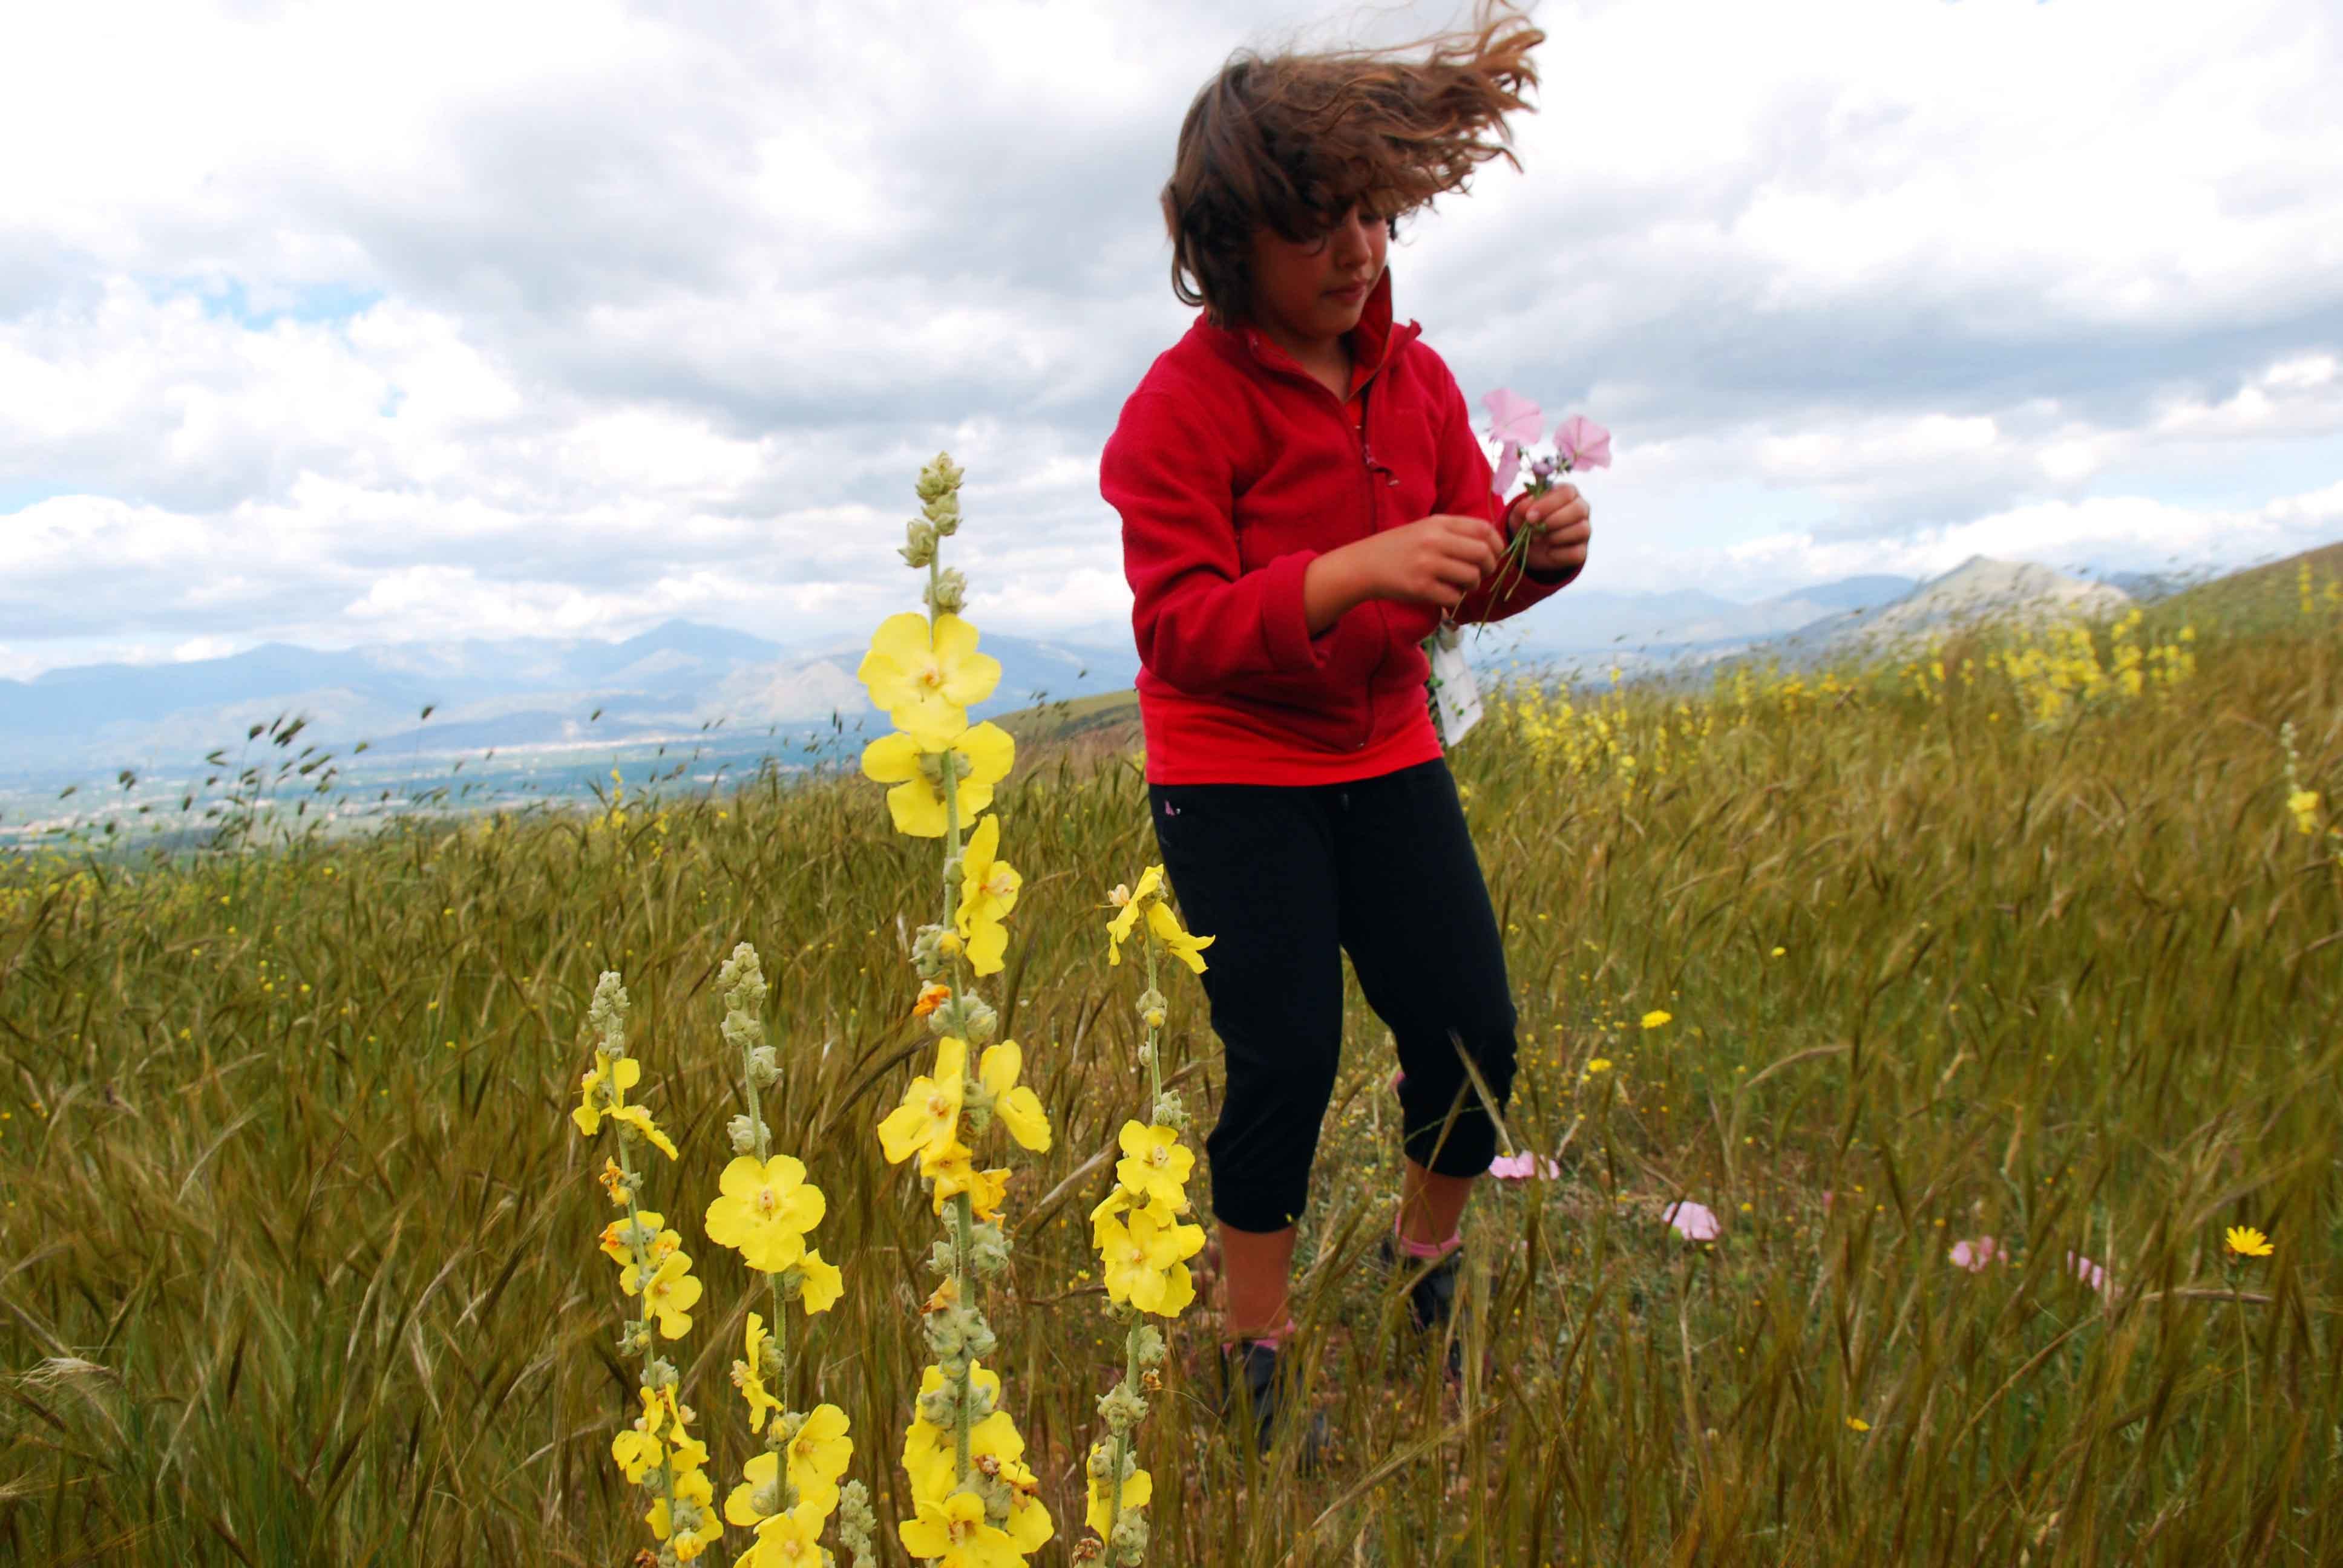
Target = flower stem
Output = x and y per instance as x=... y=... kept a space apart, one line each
x=781 y=1326
x=963 y=1244
x=1121 y=1439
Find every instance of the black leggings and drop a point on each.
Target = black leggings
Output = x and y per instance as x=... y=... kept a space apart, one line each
x=1289 y=878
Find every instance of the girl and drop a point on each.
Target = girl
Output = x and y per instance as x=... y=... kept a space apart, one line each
x=1303 y=496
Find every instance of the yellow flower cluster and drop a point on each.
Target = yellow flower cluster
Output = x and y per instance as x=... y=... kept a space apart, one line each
x=2066 y=669
x=1139 y=1230
x=660 y=1448
x=976 y=1504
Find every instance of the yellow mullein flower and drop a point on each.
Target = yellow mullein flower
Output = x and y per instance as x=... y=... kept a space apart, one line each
x=982 y=757
x=819 y=1456
x=1146 y=1263
x=2248 y=1243
x=636 y=1451
x=1154 y=1165
x=688 y=1486
x=668 y=1295
x=748 y=1377
x=1018 y=1108
x=988 y=891
x=760 y=1477
x=1167 y=929
x=928 y=1121
x=931 y=1466
x=820 y=1284
x=955 y=1532
x=636 y=1117
x=613 y=1181
x=1129 y=904
x=765 y=1211
x=1030 y=1524
x=616 y=1079
x=925 y=677
x=2304 y=804
x=986 y=1189
x=923 y=1440
x=663 y=1241
x=788 y=1540
x=1655 y=1017
x=1138 y=1491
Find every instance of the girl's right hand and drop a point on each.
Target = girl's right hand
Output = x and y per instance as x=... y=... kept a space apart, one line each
x=1435 y=560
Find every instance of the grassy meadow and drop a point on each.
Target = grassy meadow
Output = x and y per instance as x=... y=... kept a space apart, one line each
x=298 y=1243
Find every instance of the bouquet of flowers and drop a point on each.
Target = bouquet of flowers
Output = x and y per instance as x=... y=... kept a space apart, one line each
x=1579 y=443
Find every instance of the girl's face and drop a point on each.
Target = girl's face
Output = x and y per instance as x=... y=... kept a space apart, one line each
x=1297 y=298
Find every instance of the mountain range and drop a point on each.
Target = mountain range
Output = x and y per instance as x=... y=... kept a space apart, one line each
x=681 y=681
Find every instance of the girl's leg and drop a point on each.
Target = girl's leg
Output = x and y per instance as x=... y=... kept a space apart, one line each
x=1423 y=937
x=1252 y=866
x=1255 y=1269
x=1431 y=1206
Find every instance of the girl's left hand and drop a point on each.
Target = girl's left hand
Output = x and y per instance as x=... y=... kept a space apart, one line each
x=1569 y=525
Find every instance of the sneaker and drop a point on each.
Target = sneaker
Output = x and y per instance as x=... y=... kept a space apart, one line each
x=1251 y=1383
x=1430 y=1297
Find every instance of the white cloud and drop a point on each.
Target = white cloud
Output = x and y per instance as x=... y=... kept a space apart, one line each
x=659 y=314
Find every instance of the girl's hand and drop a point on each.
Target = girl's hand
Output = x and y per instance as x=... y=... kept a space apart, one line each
x=1433 y=561
x=1569 y=526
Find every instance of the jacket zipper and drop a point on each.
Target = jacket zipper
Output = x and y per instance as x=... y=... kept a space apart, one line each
x=1367 y=474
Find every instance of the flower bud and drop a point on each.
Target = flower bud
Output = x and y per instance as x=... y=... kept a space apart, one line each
x=764 y=1067
x=948 y=594
x=920 y=549
x=743 y=1133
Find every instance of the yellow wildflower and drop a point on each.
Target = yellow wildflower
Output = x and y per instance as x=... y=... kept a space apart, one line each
x=819 y=1456
x=987 y=1189
x=668 y=1295
x=603 y=1088
x=1018 y=1108
x=2248 y=1243
x=1128 y=905
x=787 y=1540
x=1655 y=1017
x=928 y=1121
x=760 y=1477
x=988 y=891
x=955 y=1531
x=2304 y=804
x=1600 y=1064
x=765 y=1211
x=1167 y=929
x=982 y=757
x=1155 y=1165
x=1145 y=1261
x=636 y=1451
x=663 y=1242
x=748 y=1378
x=932 y=996
x=613 y=1179
x=925 y=677
x=818 y=1283
x=1856 y=1424
x=1138 y=1491
x=689 y=1486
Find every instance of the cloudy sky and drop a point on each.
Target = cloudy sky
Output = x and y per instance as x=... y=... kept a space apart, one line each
x=338 y=324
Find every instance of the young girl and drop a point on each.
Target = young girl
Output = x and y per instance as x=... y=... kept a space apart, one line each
x=1303 y=496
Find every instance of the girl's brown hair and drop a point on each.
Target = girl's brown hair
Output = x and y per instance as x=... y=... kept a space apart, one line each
x=1290 y=142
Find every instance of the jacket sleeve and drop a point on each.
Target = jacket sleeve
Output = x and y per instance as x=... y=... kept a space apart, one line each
x=1464 y=490
x=1201 y=621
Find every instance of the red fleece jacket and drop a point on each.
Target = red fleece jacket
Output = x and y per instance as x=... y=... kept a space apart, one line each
x=1233 y=469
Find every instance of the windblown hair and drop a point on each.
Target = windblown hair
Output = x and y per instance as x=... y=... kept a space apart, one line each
x=1288 y=143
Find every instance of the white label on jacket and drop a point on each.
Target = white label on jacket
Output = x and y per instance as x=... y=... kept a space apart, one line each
x=1454 y=697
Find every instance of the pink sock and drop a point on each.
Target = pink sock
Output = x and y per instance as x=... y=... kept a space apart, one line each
x=1427 y=1249
x=1275 y=1339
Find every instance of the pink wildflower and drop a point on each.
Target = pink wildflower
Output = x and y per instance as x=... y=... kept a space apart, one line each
x=1583 y=443
x=1520 y=1167
x=2087 y=1271
x=1974 y=1255
x=1693 y=1221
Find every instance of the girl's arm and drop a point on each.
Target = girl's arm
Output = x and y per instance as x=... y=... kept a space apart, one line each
x=1464 y=486
x=1201 y=621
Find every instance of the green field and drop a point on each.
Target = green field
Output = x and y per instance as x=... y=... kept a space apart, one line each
x=298 y=1243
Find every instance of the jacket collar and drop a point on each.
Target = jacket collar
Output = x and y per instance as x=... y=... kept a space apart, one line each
x=1373 y=341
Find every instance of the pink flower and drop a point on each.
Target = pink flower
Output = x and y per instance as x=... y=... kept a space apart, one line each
x=2087 y=1271
x=1509 y=465
x=1693 y=1221
x=1974 y=1255
x=1513 y=419
x=1520 y=1167
x=1583 y=443
x=1398 y=1079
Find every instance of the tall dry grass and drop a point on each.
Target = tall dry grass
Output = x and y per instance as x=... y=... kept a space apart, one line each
x=296 y=1260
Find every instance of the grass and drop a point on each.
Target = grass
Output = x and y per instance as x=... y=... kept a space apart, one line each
x=297 y=1241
